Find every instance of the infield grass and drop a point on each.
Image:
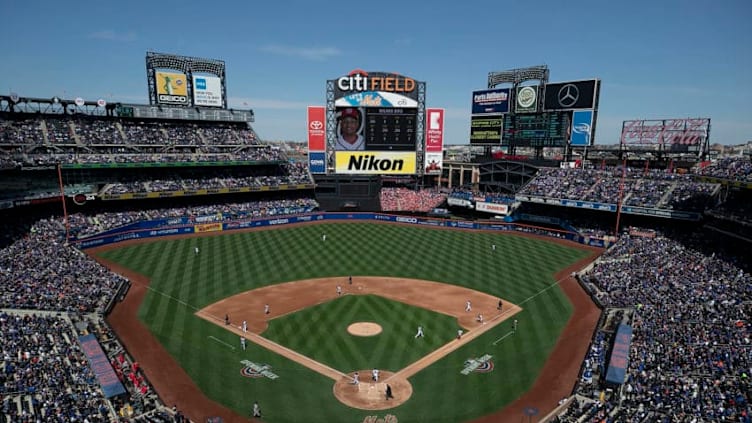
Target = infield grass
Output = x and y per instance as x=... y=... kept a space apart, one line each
x=520 y=270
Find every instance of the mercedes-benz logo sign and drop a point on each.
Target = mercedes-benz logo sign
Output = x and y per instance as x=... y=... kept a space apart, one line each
x=316 y=125
x=568 y=95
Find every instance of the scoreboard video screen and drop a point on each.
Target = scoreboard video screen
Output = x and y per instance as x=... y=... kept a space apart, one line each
x=390 y=129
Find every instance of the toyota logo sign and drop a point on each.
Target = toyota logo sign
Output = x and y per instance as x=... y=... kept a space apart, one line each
x=316 y=125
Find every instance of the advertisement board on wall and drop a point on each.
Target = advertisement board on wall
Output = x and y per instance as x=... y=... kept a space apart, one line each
x=375 y=163
x=207 y=91
x=434 y=156
x=495 y=101
x=582 y=128
x=317 y=161
x=316 y=128
x=526 y=99
x=571 y=95
x=172 y=88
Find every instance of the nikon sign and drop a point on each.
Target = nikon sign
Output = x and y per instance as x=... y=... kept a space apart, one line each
x=375 y=163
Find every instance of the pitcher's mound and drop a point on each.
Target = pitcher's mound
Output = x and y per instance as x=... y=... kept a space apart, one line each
x=364 y=329
x=370 y=395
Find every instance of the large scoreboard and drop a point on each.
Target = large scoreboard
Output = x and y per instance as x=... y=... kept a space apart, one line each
x=373 y=124
x=547 y=129
x=545 y=115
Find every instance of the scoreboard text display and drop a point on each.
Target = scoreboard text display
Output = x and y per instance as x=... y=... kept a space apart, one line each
x=375 y=119
x=390 y=129
x=486 y=129
x=537 y=129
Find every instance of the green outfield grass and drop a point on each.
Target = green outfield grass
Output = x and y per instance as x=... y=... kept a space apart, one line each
x=520 y=270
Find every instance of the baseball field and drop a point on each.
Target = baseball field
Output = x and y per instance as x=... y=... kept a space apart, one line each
x=300 y=357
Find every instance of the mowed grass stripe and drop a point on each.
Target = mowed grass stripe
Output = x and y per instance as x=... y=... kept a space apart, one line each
x=519 y=269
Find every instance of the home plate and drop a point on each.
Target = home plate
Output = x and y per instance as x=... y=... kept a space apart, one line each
x=372 y=391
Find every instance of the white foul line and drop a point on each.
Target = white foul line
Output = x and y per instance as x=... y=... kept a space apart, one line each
x=511 y=332
x=221 y=342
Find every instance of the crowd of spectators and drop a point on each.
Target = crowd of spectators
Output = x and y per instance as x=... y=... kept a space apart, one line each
x=213 y=179
x=468 y=194
x=731 y=168
x=690 y=353
x=405 y=199
x=82 y=225
x=652 y=188
x=46 y=376
x=39 y=271
x=50 y=139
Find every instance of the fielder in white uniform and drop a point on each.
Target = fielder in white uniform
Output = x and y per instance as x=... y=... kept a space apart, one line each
x=420 y=332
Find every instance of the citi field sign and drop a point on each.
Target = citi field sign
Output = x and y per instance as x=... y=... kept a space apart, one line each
x=375 y=89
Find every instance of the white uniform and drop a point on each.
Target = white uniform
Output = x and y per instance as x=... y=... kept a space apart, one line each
x=493 y=247
x=459 y=333
x=256 y=410
x=339 y=290
x=480 y=318
x=266 y=308
x=323 y=237
x=420 y=332
x=343 y=145
x=468 y=307
x=242 y=342
x=356 y=379
x=245 y=326
x=375 y=375
x=195 y=250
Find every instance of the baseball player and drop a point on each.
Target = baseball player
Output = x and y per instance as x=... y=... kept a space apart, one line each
x=339 y=290
x=375 y=375
x=245 y=326
x=501 y=304
x=355 y=379
x=493 y=247
x=468 y=307
x=227 y=319
x=514 y=325
x=256 y=409
x=323 y=237
x=389 y=392
x=266 y=309
x=459 y=334
x=480 y=319
x=195 y=250
x=350 y=280
x=242 y=342
x=420 y=332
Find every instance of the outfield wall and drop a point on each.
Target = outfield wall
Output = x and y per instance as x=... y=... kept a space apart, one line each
x=178 y=226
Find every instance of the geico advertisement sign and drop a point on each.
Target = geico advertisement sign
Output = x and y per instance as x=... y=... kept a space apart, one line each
x=375 y=162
